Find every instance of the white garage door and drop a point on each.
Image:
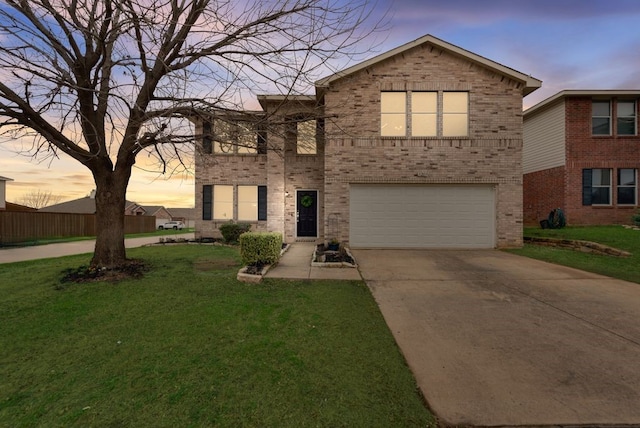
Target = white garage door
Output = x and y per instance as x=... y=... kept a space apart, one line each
x=422 y=216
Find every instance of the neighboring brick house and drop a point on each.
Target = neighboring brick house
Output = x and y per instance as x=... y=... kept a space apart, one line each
x=420 y=147
x=582 y=154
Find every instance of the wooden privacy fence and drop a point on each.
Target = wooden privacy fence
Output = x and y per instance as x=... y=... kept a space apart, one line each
x=17 y=226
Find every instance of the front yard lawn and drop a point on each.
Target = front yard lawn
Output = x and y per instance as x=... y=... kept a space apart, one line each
x=614 y=236
x=188 y=345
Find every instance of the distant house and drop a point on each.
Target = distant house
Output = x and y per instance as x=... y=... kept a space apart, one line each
x=185 y=215
x=582 y=154
x=87 y=205
x=418 y=147
x=3 y=192
x=161 y=213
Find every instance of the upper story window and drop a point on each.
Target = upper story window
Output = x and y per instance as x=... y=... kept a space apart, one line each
x=626 y=121
x=603 y=118
x=306 y=137
x=227 y=137
x=424 y=114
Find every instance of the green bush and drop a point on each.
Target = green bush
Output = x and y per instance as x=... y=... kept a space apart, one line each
x=260 y=248
x=636 y=218
x=231 y=231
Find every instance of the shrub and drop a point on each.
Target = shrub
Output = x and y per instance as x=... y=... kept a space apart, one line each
x=636 y=218
x=260 y=248
x=231 y=231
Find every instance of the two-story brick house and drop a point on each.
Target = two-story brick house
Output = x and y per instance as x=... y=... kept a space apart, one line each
x=582 y=154
x=420 y=147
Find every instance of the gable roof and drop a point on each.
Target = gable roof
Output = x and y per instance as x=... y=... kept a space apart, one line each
x=187 y=213
x=152 y=210
x=530 y=83
x=594 y=93
x=86 y=205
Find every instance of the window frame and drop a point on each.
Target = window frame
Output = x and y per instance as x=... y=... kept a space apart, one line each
x=217 y=203
x=633 y=186
x=312 y=133
x=588 y=186
x=634 y=118
x=411 y=117
x=594 y=116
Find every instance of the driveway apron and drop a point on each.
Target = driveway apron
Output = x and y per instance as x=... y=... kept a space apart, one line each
x=496 y=339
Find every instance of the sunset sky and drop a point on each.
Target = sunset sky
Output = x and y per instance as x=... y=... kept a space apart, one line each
x=568 y=44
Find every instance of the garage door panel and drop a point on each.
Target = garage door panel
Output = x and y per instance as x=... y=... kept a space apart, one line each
x=422 y=216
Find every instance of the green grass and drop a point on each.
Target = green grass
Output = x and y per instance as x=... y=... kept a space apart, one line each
x=614 y=236
x=188 y=345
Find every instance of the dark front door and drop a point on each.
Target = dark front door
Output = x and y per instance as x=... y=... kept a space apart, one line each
x=307 y=213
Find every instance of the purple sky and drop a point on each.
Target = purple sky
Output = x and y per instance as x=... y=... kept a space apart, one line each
x=568 y=44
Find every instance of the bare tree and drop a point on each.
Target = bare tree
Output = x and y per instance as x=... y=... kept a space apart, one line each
x=104 y=80
x=39 y=199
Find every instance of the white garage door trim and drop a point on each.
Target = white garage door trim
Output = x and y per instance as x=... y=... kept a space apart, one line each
x=422 y=216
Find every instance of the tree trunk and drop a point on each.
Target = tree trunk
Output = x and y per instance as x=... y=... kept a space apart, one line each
x=111 y=189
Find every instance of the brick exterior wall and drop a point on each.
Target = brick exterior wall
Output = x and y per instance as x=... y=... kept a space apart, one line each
x=587 y=151
x=543 y=192
x=354 y=152
x=491 y=155
x=562 y=187
x=282 y=170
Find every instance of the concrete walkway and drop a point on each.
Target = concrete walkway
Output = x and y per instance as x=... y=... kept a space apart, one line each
x=295 y=263
x=12 y=255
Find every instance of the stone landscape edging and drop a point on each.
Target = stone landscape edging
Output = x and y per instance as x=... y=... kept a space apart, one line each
x=251 y=278
x=333 y=264
x=577 y=245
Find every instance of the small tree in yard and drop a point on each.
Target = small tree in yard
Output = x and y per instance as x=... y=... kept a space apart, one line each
x=102 y=81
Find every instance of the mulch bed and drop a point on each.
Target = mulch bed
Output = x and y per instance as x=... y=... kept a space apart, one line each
x=132 y=268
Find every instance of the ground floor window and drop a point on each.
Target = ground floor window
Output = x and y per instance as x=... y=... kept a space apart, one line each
x=627 y=182
x=598 y=186
x=228 y=202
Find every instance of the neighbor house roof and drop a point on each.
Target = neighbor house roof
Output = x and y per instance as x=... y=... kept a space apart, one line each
x=530 y=83
x=594 y=93
x=86 y=205
x=187 y=213
x=152 y=209
x=5 y=178
x=17 y=207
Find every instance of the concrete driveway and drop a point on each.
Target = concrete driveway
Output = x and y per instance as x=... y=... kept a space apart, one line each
x=500 y=340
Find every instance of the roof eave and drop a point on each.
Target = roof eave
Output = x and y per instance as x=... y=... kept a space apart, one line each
x=530 y=83
x=580 y=93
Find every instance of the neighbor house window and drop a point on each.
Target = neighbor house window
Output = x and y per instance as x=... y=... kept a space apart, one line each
x=223 y=202
x=601 y=118
x=626 y=118
x=627 y=181
x=306 y=137
x=431 y=114
x=596 y=186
